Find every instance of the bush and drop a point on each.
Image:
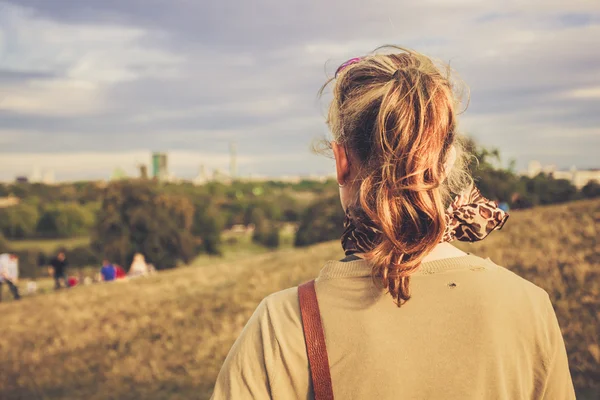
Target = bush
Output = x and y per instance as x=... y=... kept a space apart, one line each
x=207 y=226
x=265 y=232
x=30 y=261
x=83 y=256
x=61 y=220
x=266 y=235
x=266 y=209
x=591 y=190
x=322 y=221
x=4 y=245
x=19 y=222
x=544 y=190
x=135 y=218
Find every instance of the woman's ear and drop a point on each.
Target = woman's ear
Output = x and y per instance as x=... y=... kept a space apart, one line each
x=342 y=163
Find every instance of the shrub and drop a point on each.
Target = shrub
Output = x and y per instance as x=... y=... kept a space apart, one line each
x=591 y=189
x=18 y=222
x=135 y=218
x=267 y=234
x=322 y=221
x=65 y=220
x=4 y=245
x=83 y=256
x=207 y=226
x=30 y=261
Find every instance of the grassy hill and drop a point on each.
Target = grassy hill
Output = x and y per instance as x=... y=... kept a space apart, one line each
x=166 y=336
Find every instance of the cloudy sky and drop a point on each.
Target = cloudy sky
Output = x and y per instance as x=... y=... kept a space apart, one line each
x=90 y=85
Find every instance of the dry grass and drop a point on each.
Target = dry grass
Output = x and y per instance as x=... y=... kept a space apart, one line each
x=165 y=337
x=557 y=248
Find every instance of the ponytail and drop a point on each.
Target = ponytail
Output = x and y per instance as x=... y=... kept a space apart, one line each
x=396 y=114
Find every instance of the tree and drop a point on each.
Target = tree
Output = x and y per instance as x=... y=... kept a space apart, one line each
x=83 y=256
x=320 y=222
x=266 y=235
x=591 y=189
x=207 y=226
x=18 y=222
x=265 y=231
x=134 y=218
x=65 y=220
x=29 y=262
x=4 y=245
x=544 y=189
x=494 y=182
x=502 y=184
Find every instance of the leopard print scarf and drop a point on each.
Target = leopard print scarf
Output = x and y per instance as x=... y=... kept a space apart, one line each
x=470 y=217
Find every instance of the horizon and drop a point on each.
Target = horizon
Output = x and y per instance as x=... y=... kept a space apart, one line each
x=186 y=169
x=91 y=86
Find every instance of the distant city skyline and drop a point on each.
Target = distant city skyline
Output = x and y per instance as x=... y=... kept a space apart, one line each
x=89 y=86
x=184 y=169
x=181 y=164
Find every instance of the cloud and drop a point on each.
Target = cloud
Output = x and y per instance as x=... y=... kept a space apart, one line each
x=585 y=93
x=67 y=69
x=112 y=76
x=8 y=76
x=56 y=97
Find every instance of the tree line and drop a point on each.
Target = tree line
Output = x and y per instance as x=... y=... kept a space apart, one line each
x=169 y=223
x=322 y=221
x=173 y=223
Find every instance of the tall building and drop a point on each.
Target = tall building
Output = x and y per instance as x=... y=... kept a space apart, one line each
x=36 y=175
x=143 y=171
x=160 y=169
x=534 y=168
x=202 y=177
x=48 y=178
x=579 y=178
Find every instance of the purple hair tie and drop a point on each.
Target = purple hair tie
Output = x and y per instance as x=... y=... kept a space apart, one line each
x=346 y=64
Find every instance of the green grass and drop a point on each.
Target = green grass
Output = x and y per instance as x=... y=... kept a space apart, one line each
x=49 y=245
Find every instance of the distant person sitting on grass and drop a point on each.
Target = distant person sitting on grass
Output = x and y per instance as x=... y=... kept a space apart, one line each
x=58 y=269
x=9 y=273
x=120 y=273
x=31 y=287
x=138 y=266
x=73 y=281
x=108 y=272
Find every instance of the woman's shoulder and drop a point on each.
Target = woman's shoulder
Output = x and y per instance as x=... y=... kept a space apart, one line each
x=512 y=280
x=283 y=303
x=280 y=312
x=511 y=292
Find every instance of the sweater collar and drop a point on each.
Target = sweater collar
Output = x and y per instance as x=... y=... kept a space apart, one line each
x=361 y=268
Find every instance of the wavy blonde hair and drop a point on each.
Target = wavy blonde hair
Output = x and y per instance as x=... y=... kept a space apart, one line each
x=396 y=114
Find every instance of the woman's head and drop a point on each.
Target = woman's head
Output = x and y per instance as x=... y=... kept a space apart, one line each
x=393 y=120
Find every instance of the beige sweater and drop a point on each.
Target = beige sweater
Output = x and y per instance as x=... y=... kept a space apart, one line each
x=472 y=330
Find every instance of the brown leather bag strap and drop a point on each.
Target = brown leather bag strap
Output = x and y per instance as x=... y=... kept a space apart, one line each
x=315 y=341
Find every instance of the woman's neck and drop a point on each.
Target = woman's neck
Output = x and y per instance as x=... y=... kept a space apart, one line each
x=443 y=250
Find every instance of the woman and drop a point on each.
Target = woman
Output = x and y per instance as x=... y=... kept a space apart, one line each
x=138 y=266
x=405 y=314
